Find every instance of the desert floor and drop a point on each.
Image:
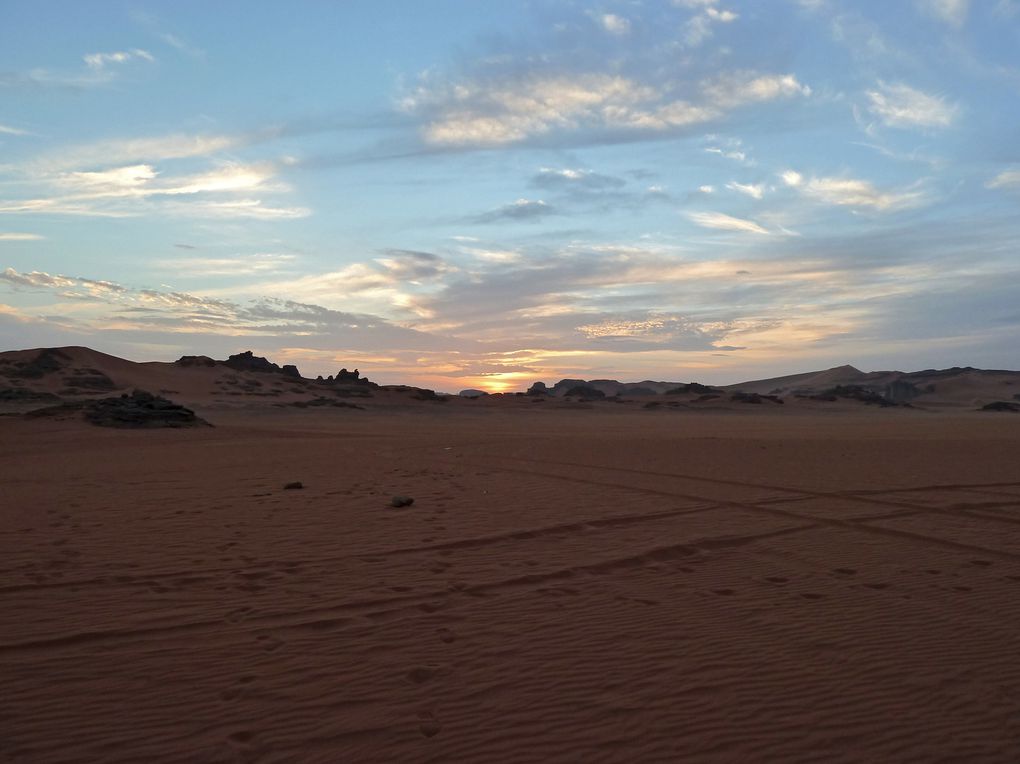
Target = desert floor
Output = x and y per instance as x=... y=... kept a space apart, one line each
x=569 y=585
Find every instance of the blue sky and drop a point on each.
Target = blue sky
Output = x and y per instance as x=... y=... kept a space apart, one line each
x=467 y=194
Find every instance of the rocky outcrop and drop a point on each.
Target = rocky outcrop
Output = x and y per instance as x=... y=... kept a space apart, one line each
x=538 y=389
x=692 y=388
x=349 y=380
x=587 y=392
x=248 y=361
x=472 y=393
x=135 y=411
x=192 y=361
x=46 y=362
x=1002 y=406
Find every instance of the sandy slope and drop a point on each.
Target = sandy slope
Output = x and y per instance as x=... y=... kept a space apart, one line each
x=570 y=585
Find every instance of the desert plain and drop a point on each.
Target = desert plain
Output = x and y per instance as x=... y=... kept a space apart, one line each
x=573 y=582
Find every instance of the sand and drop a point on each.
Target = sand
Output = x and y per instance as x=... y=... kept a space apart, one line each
x=608 y=584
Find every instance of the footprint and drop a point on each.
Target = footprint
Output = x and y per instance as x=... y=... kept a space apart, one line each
x=981 y=563
x=446 y=635
x=428 y=725
x=877 y=586
x=723 y=592
x=776 y=579
x=845 y=571
x=812 y=596
x=422 y=674
x=241 y=737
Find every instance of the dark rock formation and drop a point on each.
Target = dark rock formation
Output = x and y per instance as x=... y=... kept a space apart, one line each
x=22 y=395
x=740 y=397
x=194 y=360
x=297 y=485
x=539 y=388
x=585 y=391
x=472 y=393
x=859 y=393
x=89 y=379
x=351 y=381
x=901 y=391
x=320 y=401
x=1002 y=406
x=692 y=387
x=401 y=501
x=137 y=410
x=47 y=362
x=248 y=361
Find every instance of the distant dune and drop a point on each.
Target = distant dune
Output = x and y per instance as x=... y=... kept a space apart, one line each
x=30 y=379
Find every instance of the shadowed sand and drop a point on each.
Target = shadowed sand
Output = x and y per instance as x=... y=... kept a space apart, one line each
x=568 y=585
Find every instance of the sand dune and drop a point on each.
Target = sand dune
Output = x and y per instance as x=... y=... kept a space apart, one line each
x=609 y=584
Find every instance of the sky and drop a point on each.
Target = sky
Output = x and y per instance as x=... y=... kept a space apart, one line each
x=465 y=194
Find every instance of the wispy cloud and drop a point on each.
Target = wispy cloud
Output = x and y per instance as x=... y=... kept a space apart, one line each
x=99 y=61
x=723 y=222
x=754 y=190
x=701 y=26
x=1005 y=179
x=734 y=89
x=899 y=105
x=8 y=130
x=15 y=236
x=612 y=23
x=568 y=178
x=477 y=114
x=140 y=189
x=953 y=12
x=259 y=263
x=520 y=210
x=853 y=192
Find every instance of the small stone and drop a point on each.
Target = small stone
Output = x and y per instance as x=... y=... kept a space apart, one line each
x=293 y=486
x=401 y=501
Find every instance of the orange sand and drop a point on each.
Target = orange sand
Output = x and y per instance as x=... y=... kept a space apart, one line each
x=569 y=585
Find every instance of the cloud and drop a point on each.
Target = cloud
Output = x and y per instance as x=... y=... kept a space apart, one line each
x=35 y=279
x=537 y=106
x=735 y=89
x=701 y=25
x=725 y=222
x=792 y=178
x=614 y=24
x=141 y=189
x=244 y=265
x=755 y=190
x=1005 y=179
x=14 y=236
x=567 y=178
x=98 y=61
x=8 y=130
x=141 y=310
x=852 y=192
x=953 y=12
x=98 y=71
x=127 y=151
x=899 y=105
x=522 y=209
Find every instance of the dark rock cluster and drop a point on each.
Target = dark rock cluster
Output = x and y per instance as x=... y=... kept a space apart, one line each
x=1002 y=406
x=47 y=362
x=248 y=361
x=741 y=397
x=137 y=410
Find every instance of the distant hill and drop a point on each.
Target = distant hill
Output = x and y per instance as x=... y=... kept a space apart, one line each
x=956 y=386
